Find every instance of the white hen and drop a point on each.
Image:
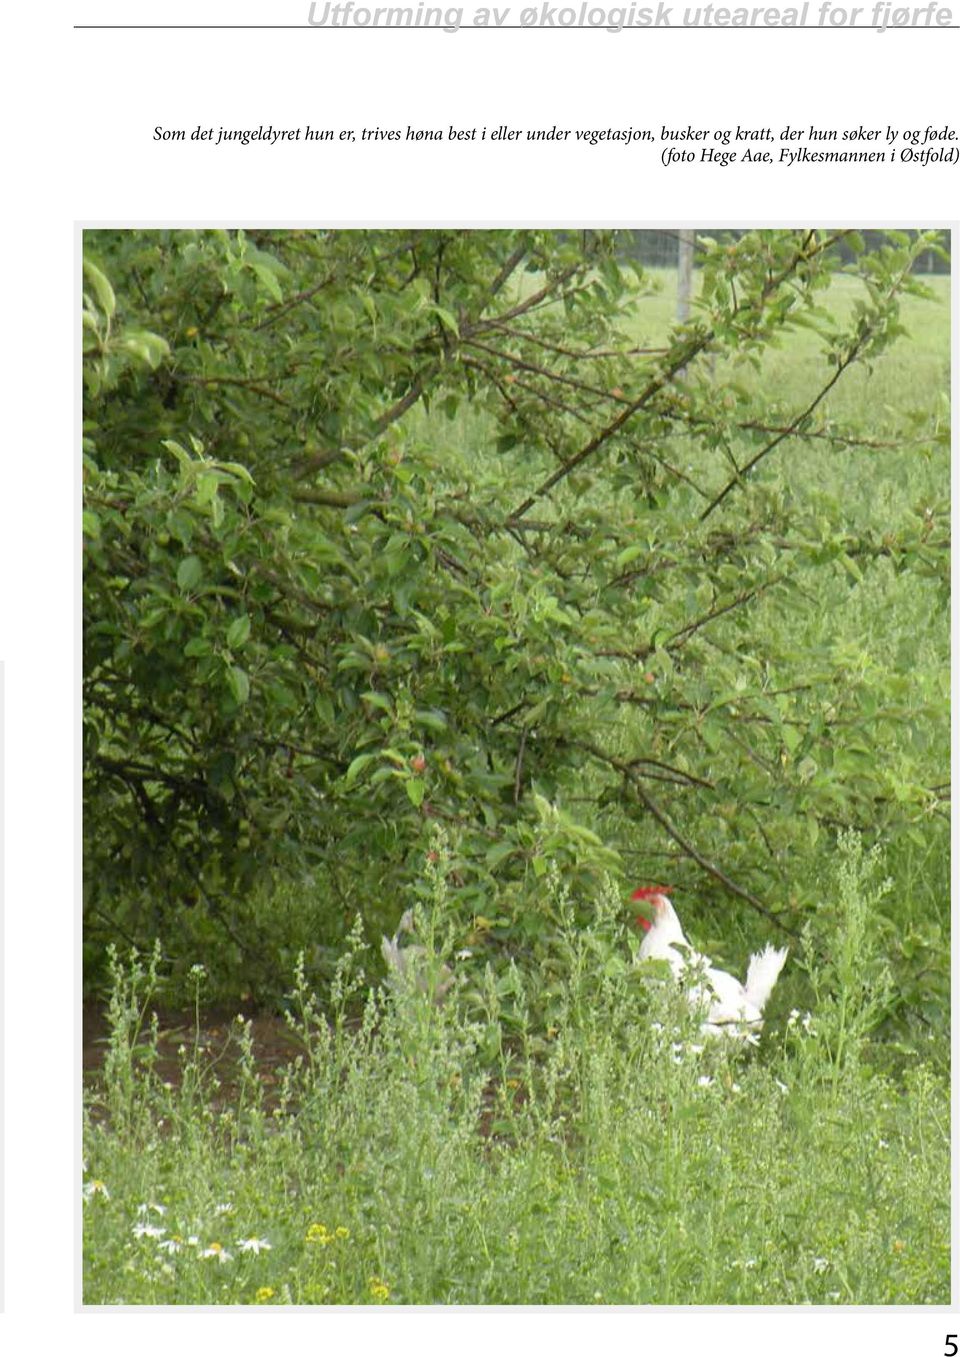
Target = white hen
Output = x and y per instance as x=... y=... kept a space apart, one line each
x=730 y=1008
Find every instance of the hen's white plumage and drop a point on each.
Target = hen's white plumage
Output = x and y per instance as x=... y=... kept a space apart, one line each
x=729 y=1008
x=410 y=964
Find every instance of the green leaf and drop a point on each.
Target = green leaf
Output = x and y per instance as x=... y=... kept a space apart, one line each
x=377 y=700
x=630 y=554
x=791 y=737
x=181 y=454
x=239 y=683
x=238 y=632
x=240 y=471
x=324 y=710
x=415 y=790
x=207 y=486
x=268 y=278
x=189 y=573
x=447 y=318
x=431 y=720
x=101 y=288
x=145 y=345
x=712 y=734
x=356 y=767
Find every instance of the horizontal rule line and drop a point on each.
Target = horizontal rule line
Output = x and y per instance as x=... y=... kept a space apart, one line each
x=538 y=28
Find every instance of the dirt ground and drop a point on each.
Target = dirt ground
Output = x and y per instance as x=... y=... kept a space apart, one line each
x=274 y=1045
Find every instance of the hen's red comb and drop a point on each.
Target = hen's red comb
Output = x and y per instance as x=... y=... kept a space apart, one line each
x=651 y=892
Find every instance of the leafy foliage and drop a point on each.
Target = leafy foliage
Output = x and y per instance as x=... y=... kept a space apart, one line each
x=390 y=528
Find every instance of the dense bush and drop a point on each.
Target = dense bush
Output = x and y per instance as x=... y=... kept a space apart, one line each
x=385 y=529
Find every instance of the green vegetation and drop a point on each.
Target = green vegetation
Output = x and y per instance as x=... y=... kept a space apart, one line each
x=441 y=570
x=620 y=1161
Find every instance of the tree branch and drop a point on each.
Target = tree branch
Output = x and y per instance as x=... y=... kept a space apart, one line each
x=683 y=356
x=671 y=830
x=687 y=352
x=856 y=348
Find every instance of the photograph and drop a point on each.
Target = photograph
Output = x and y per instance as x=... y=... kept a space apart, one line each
x=515 y=764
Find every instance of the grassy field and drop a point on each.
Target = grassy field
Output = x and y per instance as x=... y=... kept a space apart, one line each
x=887 y=400
x=467 y=1152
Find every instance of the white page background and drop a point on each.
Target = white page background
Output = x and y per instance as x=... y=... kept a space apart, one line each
x=80 y=111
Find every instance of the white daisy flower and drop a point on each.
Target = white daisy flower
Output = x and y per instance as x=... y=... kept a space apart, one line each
x=217 y=1251
x=144 y=1230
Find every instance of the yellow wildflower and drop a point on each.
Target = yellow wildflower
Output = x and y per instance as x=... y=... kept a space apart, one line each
x=378 y=1289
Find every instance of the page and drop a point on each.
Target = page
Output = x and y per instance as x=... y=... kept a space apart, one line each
x=472 y=465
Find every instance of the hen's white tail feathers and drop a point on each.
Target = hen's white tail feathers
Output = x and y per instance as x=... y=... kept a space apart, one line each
x=762 y=974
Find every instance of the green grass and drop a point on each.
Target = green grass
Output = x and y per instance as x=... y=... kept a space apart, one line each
x=437 y=1154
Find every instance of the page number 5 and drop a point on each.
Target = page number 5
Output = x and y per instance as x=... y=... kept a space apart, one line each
x=951 y=1349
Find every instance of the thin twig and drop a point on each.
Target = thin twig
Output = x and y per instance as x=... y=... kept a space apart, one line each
x=671 y=830
x=519 y=768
